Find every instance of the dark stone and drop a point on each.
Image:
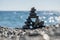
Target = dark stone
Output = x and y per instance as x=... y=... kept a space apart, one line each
x=33 y=10
x=32 y=14
x=9 y=33
x=26 y=27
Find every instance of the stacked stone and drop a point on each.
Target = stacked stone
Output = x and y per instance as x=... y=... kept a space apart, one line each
x=29 y=24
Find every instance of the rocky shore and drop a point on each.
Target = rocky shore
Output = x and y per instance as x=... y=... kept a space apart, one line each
x=51 y=32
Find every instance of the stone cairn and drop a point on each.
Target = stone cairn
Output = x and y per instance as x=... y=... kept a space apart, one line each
x=29 y=24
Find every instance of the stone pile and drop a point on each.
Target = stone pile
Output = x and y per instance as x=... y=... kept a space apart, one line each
x=33 y=24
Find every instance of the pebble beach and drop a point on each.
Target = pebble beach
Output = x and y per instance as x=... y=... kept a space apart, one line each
x=36 y=34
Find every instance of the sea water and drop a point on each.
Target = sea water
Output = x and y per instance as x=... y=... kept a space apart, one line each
x=17 y=18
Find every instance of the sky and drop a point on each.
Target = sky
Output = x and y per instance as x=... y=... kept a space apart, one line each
x=19 y=5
